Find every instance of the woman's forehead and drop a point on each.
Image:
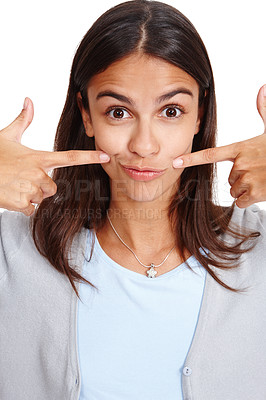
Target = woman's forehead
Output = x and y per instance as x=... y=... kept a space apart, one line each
x=142 y=71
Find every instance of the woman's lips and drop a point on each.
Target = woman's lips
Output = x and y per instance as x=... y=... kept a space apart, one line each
x=142 y=174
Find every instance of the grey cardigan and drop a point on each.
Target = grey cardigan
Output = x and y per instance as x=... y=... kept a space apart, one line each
x=38 y=330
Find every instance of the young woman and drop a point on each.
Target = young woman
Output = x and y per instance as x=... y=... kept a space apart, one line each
x=128 y=281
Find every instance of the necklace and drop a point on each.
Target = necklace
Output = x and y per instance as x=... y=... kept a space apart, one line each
x=151 y=273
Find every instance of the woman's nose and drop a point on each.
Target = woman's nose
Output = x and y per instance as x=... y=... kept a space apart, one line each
x=143 y=140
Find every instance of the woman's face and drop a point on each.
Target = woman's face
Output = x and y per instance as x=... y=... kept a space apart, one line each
x=143 y=113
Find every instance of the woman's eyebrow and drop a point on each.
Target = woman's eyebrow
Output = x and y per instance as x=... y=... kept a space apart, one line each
x=128 y=100
x=117 y=96
x=173 y=93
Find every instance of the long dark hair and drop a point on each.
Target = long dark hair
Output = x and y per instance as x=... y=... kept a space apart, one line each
x=83 y=194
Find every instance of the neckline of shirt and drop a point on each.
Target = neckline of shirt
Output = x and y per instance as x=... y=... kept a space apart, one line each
x=135 y=275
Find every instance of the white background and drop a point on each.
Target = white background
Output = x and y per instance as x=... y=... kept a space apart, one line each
x=38 y=41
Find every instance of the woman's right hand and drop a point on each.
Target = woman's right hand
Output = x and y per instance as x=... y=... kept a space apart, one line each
x=24 y=175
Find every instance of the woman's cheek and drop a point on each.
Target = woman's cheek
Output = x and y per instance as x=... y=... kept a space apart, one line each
x=107 y=144
x=182 y=145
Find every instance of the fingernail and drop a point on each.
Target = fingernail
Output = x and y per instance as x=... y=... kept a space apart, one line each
x=104 y=157
x=264 y=90
x=26 y=102
x=178 y=163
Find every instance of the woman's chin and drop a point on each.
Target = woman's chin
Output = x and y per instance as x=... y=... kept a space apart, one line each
x=140 y=193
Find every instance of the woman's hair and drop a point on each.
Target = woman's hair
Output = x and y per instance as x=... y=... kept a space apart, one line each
x=83 y=195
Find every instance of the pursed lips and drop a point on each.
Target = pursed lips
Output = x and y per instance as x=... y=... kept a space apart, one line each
x=143 y=169
x=144 y=174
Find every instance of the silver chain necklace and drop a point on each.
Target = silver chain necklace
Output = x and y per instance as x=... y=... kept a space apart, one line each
x=151 y=273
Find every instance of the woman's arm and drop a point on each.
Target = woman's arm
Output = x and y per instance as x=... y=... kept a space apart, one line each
x=24 y=178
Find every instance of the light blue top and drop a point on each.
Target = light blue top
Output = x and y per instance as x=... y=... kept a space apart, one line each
x=135 y=332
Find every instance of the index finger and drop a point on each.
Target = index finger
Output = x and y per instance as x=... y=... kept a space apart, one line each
x=59 y=159
x=207 y=156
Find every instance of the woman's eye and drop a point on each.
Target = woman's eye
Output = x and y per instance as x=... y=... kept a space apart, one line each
x=118 y=113
x=171 y=112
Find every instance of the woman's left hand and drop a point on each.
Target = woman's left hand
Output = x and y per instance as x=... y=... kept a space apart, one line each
x=248 y=174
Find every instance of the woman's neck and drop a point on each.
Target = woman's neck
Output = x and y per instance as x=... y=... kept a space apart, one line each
x=144 y=227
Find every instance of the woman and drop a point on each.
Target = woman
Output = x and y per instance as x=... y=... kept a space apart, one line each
x=141 y=97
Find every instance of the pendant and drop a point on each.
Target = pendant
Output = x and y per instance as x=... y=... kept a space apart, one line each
x=151 y=272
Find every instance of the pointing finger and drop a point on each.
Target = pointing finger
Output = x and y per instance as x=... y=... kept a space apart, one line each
x=58 y=159
x=207 y=156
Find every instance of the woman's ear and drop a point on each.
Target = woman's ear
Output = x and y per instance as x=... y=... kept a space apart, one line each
x=85 y=117
x=200 y=114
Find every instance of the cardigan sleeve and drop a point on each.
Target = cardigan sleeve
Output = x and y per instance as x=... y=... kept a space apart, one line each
x=14 y=229
x=251 y=218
